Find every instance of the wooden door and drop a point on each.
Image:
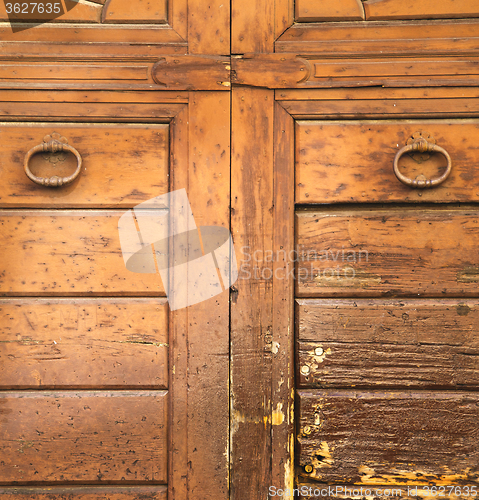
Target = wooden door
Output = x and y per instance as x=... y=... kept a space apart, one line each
x=107 y=393
x=362 y=355
x=304 y=373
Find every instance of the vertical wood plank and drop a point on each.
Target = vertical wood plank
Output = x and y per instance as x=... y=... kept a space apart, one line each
x=252 y=26
x=283 y=16
x=209 y=27
x=282 y=417
x=200 y=333
x=251 y=300
x=208 y=321
x=178 y=428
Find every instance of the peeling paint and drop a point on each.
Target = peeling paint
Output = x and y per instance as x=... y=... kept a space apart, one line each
x=277 y=417
x=412 y=477
x=322 y=457
x=275 y=347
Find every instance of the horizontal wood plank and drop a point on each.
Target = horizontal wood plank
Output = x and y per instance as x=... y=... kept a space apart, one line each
x=397 y=252
x=82 y=248
x=353 y=161
x=389 y=437
x=83 y=343
x=122 y=165
x=341 y=10
x=427 y=9
x=85 y=493
x=142 y=11
x=83 y=437
x=82 y=12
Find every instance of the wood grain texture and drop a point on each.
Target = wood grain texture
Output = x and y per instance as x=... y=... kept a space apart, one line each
x=193 y=72
x=123 y=165
x=268 y=70
x=85 y=493
x=353 y=161
x=83 y=343
x=400 y=252
x=252 y=297
x=384 y=108
x=379 y=38
x=83 y=437
x=208 y=339
x=283 y=429
x=141 y=11
x=209 y=26
x=424 y=344
x=342 y=10
x=389 y=437
x=253 y=26
x=426 y=9
x=82 y=248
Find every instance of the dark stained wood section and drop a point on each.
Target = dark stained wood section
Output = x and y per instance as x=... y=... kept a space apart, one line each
x=85 y=493
x=351 y=162
x=388 y=437
x=402 y=251
x=122 y=164
x=388 y=344
x=87 y=437
x=83 y=343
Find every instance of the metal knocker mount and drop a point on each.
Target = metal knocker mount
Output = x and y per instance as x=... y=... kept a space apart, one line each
x=53 y=143
x=419 y=144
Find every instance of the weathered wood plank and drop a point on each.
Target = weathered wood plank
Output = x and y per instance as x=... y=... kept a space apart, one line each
x=82 y=247
x=427 y=9
x=209 y=27
x=385 y=365
x=283 y=429
x=389 y=437
x=399 y=252
x=208 y=322
x=353 y=161
x=122 y=165
x=253 y=26
x=83 y=343
x=85 y=493
x=251 y=299
x=384 y=38
x=83 y=437
x=342 y=10
x=141 y=11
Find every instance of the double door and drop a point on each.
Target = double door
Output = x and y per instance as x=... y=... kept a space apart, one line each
x=344 y=351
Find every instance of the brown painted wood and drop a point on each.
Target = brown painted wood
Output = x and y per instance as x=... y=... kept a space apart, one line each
x=381 y=38
x=83 y=437
x=104 y=181
x=252 y=296
x=261 y=70
x=82 y=248
x=208 y=322
x=445 y=9
x=143 y=11
x=193 y=72
x=389 y=437
x=283 y=429
x=83 y=343
x=342 y=10
x=85 y=493
x=400 y=252
x=352 y=162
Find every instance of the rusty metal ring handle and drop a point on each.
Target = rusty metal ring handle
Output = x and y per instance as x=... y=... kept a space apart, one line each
x=53 y=146
x=421 y=181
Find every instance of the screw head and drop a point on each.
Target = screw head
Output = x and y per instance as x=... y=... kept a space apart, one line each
x=308 y=469
x=305 y=370
x=319 y=351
